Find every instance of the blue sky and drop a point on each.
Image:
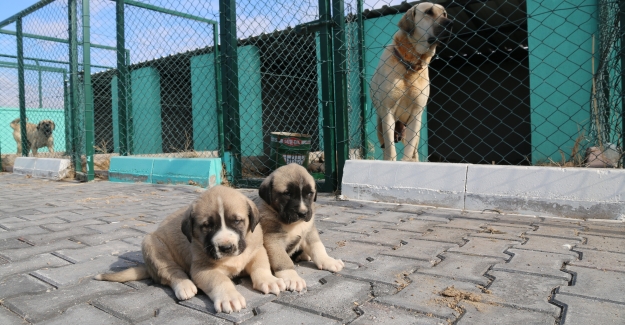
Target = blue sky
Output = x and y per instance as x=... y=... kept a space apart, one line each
x=11 y=7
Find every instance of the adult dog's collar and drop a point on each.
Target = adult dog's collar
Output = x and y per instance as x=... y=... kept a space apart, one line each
x=408 y=65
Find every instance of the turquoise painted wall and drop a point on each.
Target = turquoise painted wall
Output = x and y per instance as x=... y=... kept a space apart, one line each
x=8 y=114
x=560 y=44
x=146 y=110
x=205 y=131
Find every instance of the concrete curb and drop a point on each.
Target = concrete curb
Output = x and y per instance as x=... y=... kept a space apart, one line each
x=52 y=168
x=544 y=191
x=205 y=172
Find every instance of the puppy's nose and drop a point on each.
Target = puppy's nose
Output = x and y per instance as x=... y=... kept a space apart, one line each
x=447 y=23
x=301 y=215
x=226 y=248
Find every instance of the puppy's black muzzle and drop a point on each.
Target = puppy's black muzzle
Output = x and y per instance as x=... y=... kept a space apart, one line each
x=47 y=130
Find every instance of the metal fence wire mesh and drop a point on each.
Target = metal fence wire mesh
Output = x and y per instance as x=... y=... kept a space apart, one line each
x=513 y=82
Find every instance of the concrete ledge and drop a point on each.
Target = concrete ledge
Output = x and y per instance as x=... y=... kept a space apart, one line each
x=52 y=168
x=544 y=191
x=205 y=172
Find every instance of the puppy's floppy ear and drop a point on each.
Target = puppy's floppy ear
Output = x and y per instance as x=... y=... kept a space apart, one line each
x=315 y=198
x=407 y=22
x=187 y=224
x=39 y=126
x=253 y=215
x=53 y=125
x=265 y=189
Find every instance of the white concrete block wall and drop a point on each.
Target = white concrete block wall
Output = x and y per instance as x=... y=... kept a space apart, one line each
x=544 y=191
x=52 y=168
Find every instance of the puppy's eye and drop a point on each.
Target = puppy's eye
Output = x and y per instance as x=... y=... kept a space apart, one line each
x=429 y=12
x=237 y=222
x=309 y=194
x=287 y=194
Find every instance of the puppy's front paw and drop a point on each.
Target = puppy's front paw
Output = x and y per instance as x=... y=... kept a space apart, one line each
x=303 y=257
x=185 y=289
x=270 y=284
x=413 y=159
x=330 y=264
x=292 y=280
x=229 y=302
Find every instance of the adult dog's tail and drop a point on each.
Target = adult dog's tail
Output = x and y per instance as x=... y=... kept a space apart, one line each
x=15 y=124
x=131 y=274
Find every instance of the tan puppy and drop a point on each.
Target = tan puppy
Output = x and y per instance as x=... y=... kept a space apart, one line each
x=38 y=136
x=400 y=86
x=213 y=240
x=288 y=219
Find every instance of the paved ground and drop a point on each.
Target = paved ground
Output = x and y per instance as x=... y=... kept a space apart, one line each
x=404 y=264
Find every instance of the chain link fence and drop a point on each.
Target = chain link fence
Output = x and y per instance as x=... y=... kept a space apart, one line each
x=515 y=83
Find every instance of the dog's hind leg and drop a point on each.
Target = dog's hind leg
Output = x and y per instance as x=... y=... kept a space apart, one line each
x=163 y=268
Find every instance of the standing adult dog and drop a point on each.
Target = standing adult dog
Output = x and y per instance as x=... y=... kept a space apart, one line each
x=400 y=86
x=38 y=136
x=288 y=220
x=214 y=239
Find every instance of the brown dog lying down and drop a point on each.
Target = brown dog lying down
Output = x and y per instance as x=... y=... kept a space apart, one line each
x=205 y=245
x=288 y=220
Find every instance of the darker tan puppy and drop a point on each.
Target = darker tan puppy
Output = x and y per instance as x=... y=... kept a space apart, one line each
x=400 y=86
x=288 y=220
x=38 y=136
x=205 y=245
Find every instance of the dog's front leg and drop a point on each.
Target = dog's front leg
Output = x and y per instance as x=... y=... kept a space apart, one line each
x=388 y=132
x=260 y=272
x=412 y=138
x=317 y=252
x=220 y=289
x=283 y=266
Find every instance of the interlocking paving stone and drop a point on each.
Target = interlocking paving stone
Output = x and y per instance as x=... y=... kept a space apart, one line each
x=420 y=250
x=549 y=244
x=21 y=284
x=562 y=232
x=603 y=229
x=275 y=313
x=72 y=208
x=462 y=223
x=12 y=243
x=601 y=260
x=85 y=314
x=176 y=314
x=388 y=216
x=479 y=313
x=94 y=240
x=24 y=253
x=344 y=294
x=253 y=299
x=23 y=232
x=137 y=305
x=514 y=219
x=68 y=225
x=72 y=274
x=362 y=226
x=413 y=225
x=145 y=228
x=595 y=283
x=61 y=215
x=423 y=295
x=386 y=237
x=36 y=308
x=523 y=291
x=112 y=248
x=14 y=223
x=111 y=227
x=133 y=240
x=538 y=263
x=603 y=243
x=485 y=247
x=375 y=313
x=585 y=311
x=43 y=239
x=33 y=263
x=332 y=238
x=9 y=318
x=505 y=232
x=308 y=271
x=446 y=235
x=91 y=215
x=463 y=267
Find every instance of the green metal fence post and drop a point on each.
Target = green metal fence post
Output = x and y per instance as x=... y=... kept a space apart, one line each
x=325 y=50
x=122 y=80
x=340 y=87
x=88 y=89
x=622 y=54
x=230 y=85
x=360 y=41
x=39 y=84
x=130 y=128
x=20 y=81
x=68 y=116
x=218 y=92
x=73 y=81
